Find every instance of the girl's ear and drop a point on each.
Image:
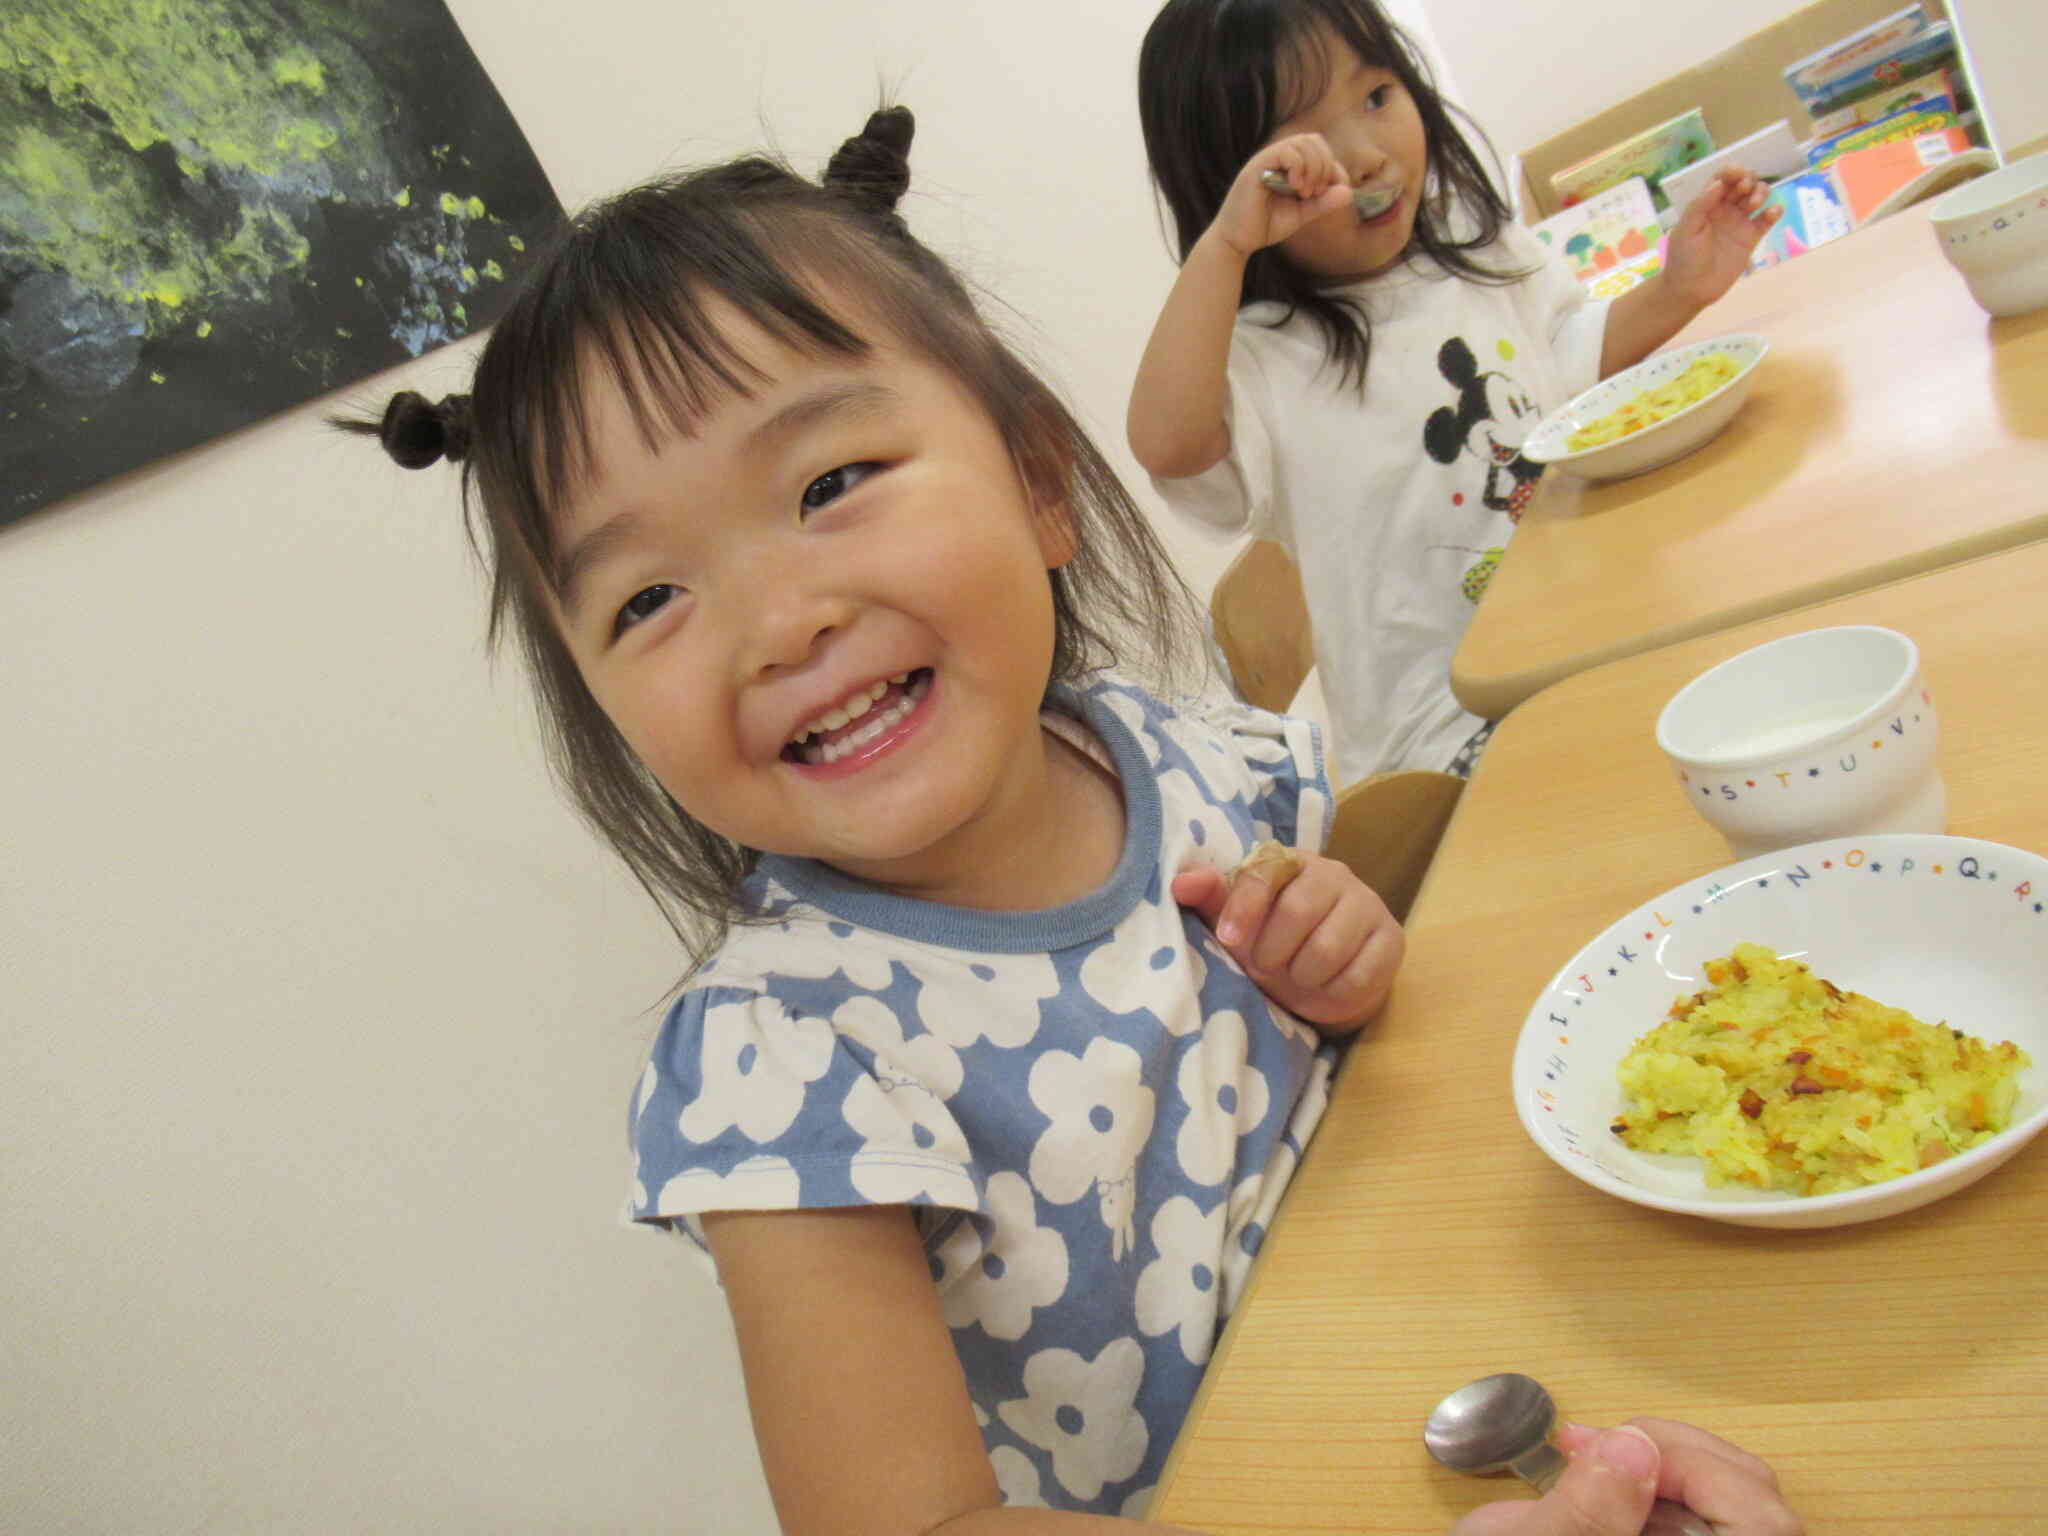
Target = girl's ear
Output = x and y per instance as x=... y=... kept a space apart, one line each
x=1059 y=537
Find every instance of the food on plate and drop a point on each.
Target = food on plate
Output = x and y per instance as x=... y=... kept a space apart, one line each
x=1780 y=1080
x=1700 y=379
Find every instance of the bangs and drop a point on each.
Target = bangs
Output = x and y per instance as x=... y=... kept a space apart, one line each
x=1303 y=62
x=643 y=297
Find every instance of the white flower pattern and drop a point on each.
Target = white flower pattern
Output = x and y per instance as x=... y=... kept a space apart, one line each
x=760 y=1099
x=759 y=1181
x=1101 y=1114
x=1089 y=1126
x=1025 y=1268
x=911 y=1149
x=925 y=1060
x=1080 y=1410
x=1016 y=1478
x=1226 y=1096
x=1180 y=1290
x=996 y=1000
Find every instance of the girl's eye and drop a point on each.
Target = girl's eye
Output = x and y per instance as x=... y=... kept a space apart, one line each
x=1379 y=96
x=833 y=484
x=644 y=604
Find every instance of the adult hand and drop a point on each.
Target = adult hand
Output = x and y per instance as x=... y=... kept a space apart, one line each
x=1615 y=1474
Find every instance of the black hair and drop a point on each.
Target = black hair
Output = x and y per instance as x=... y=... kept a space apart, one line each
x=1217 y=77
x=625 y=290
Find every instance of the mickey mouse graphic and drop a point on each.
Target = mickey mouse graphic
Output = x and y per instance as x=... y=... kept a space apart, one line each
x=1492 y=419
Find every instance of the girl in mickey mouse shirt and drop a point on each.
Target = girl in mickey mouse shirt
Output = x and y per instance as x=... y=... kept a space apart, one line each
x=1356 y=381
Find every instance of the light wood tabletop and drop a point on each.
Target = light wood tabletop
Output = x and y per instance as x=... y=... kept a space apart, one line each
x=1892 y=429
x=1894 y=1372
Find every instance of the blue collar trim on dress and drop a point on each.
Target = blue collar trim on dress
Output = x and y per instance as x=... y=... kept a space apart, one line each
x=971 y=928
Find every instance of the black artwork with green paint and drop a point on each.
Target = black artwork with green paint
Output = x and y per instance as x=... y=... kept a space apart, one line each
x=212 y=210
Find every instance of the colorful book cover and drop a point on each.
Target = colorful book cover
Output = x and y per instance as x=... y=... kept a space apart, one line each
x=1873 y=176
x=1819 y=72
x=1617 y=280
x=1883 y=101
x=1652 y=154
x=1926 y=117
x=1612 y=230
x=1812 y=213
x=1936 y=46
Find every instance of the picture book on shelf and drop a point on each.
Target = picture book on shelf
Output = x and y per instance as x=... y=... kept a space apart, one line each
x=1811 y=213
x=1652 y=154
x=1610 y=234
x=1821 y=72
x=1882 y=101
x=1821 y=94
x=1879 y=178
x=1934 y=116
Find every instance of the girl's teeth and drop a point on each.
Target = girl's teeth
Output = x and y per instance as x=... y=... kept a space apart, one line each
x=816 y=753
x=852 y=709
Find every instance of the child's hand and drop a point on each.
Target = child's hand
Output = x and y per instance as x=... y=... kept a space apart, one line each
x=1253 y=216
x=1715 y=237
x=1319 y=942
x=1614 y=1474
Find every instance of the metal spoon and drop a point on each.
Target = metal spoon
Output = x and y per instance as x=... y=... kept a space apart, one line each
x=1370 y=202
x=1504 y=1422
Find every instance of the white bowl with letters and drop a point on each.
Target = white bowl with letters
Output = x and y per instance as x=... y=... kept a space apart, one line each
x=1951 y=929
x=1816 y=734
x=1994 y=231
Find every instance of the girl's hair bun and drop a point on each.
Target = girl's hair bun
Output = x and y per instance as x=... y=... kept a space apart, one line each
x=416 y=432
x=874 y=165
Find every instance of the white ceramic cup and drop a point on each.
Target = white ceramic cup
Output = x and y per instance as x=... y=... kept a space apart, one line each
x=1820 y=734
x=1994 y=231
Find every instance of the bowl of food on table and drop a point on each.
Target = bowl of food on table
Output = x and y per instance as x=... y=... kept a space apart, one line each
x=1646 y=416
x=1837 y=1032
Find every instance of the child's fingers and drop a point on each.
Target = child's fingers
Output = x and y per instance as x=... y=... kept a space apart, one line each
x=1369 y=977
x=1307 y=161
x=1247 y=908
x=1202 y=891
x=1312 y=932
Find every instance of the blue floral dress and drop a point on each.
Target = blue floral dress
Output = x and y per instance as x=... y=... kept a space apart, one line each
x=1090 y=1109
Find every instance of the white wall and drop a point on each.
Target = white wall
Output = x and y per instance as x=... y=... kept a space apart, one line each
x=2007 y=44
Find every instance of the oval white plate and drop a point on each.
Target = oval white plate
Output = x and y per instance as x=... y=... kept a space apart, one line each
x=1672 y=438
x=1951 y=929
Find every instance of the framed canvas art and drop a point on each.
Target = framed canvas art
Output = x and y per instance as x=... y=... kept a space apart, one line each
x=212 y=210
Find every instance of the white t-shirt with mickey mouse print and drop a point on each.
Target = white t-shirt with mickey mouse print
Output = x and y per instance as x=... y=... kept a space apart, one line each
x=1396 y=504
x=1090 y=1109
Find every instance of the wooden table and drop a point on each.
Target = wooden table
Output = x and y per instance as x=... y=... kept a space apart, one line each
x=1893 y=428
x=1895 y=1372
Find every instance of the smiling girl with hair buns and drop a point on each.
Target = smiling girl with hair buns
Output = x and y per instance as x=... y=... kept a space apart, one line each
x=823 y=592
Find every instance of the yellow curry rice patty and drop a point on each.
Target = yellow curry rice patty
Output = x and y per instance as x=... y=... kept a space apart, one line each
x=1780 y=1080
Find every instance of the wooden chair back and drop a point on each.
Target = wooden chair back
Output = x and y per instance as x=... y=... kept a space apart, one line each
x=1261 y=624
x=1387 y=828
